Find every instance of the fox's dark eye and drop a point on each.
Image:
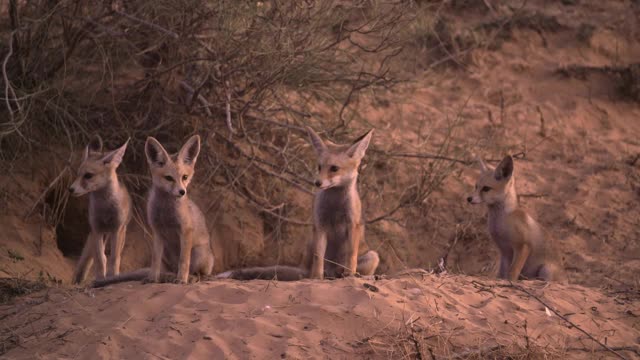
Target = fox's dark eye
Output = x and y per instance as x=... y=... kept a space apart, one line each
x=169 y=178
x=88 y=176
x=334 y=168
x=485 y=188
x=319 y=167
x=185 y=177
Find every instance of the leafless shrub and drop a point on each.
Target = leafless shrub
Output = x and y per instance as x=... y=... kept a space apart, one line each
x=626 y=79
x=247 y=75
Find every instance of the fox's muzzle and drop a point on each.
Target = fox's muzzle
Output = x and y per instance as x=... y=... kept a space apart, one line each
x=474 y=199
x=76 y=190
x=179 y=192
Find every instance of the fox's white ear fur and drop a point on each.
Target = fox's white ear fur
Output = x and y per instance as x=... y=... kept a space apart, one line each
x=190 y=150
x=504 y=170
x=483 y=166
x=316 y=141
x=94 y=146
x=360 y=145
x=156 y=154
x=114 y=158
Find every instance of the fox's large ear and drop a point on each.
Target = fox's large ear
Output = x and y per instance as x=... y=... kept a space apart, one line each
x=316 y=141
x=483 y=166
x=114 y=158
x=360 y=145
x=504 y=169
x=94 y=146
x=190 y=150
x=156 y=154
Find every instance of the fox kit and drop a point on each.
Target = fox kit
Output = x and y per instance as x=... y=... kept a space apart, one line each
x=520 y=239
x=181 y=241
x=338 y=224
x=109 y=209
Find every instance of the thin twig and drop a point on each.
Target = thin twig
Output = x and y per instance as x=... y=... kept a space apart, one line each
x=228 y=109
x=422 y=156
x=151 y=25
x=46 y=191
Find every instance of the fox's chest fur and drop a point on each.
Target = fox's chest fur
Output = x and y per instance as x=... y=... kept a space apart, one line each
x=336 y=210
x=499 y=231
x=506 y=228
x=165 y=212
x=106 y=210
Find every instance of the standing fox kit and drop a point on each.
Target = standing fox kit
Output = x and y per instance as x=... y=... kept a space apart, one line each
x=181 y=241
x=338 y=223
x=109 y=209
x=520 y=239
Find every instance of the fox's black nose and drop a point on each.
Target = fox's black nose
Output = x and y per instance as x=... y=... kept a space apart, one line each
x=71 y=189
x=469 y=199
x=182 y=192
x=318 y=183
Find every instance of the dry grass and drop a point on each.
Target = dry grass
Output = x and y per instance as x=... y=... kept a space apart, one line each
x=11 y=288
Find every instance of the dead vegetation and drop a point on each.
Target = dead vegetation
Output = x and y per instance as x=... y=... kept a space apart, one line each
x=248 y=76
x=11 y=288
x=626 y=78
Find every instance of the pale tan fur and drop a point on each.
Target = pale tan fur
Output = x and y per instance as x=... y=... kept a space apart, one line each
x=338 y=224
x=181 y=240
x=524 y=250
x=109 y=209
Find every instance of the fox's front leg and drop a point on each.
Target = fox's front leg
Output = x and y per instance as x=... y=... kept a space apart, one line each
x=100 y=259
x=86 y=258
x=520 y=256
x=117 y=244
x=351 y=247
x=505 y=264
x=156 y=259
x=186 y=243
x=318 y=249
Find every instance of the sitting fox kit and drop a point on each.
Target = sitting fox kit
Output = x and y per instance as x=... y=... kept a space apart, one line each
x=338 y=224
x=338 y=221
x=520 y=239
x=181 y=240
x=109 y=209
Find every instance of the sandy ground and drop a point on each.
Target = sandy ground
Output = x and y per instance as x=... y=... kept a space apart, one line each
x=410 y=316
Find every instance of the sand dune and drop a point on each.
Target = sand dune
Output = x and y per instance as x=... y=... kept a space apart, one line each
x=398 y=317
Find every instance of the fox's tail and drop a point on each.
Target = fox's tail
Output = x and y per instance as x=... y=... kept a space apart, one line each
x=135 y=275
x=280 y=273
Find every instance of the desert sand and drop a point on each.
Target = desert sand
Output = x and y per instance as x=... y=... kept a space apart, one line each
x=415 y=315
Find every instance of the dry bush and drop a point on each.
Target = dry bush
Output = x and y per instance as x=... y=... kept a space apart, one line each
x=625 y=79
x=248 y=76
